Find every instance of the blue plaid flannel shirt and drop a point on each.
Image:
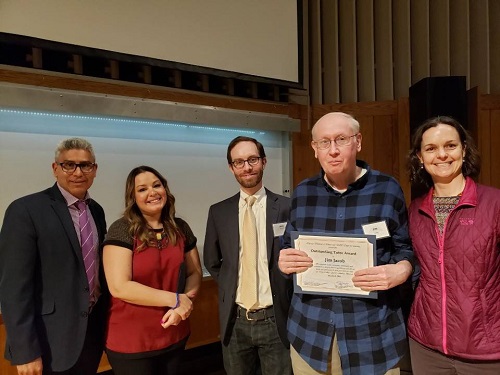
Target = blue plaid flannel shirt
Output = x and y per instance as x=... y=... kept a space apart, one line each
x=371 y=333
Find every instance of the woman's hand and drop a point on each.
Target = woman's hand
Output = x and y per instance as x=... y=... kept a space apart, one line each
x=171 y=318
x=185 y=306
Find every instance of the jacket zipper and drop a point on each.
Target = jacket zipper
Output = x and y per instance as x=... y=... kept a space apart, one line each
x=443 y=283
x=444 y=317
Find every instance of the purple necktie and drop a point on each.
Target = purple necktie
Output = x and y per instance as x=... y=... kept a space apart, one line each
x=86 y=240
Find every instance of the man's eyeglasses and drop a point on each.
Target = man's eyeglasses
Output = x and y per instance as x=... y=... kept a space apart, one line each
x=341 y=140
x=238 y=164
x=70 y=166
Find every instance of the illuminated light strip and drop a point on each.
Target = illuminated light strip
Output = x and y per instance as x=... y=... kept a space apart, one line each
x=131 y=121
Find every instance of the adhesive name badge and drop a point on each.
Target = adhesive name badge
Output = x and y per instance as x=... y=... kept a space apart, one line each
x=379 y=229
x=279 y=229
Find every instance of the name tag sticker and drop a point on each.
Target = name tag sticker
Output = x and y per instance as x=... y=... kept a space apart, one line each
x=279 y=229
x=379 y=229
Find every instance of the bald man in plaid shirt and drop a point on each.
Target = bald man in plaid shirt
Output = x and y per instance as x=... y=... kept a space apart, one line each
x=348 y=335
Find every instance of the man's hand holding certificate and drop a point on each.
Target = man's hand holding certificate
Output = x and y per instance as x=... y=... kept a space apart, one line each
x=338 y=264
x=335 y=259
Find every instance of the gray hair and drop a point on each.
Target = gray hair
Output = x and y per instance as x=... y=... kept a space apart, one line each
x=74 y=144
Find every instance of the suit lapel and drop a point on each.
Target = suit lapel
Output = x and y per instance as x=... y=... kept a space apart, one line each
x=233 y=224
x=61 y=209
x=98 y=219
x=272 y=213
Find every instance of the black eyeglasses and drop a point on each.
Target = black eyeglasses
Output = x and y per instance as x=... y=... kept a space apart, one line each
x=238 y=164
x=70 y=166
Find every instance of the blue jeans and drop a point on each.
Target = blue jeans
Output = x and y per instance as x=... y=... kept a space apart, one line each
x=254 y=342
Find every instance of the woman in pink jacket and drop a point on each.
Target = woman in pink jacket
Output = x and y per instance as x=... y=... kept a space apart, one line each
x=454 y=324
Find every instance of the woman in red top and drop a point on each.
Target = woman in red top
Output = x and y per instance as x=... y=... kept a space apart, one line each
x=454 y=324
x=153 y=272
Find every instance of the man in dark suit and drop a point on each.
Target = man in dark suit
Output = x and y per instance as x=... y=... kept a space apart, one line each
x=254 y=296
x=53 y=297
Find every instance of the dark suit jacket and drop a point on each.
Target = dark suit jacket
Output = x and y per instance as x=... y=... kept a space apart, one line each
x=221 y=258
x=44 y=293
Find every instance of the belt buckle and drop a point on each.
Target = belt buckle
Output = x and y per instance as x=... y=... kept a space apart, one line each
x=246 y=314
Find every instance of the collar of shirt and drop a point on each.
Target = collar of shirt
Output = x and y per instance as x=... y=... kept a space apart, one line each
x=259 y=195
x=70 y=199
x=356 y=185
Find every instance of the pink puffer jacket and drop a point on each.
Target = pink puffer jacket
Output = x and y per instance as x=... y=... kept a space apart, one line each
x=457 y=302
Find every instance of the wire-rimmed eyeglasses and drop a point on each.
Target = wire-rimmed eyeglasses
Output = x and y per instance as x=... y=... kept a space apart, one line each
x=70 y=166
x=341 y=140
x=240 y=163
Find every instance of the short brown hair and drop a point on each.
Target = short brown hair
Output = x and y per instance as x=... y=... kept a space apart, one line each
x=239 y=139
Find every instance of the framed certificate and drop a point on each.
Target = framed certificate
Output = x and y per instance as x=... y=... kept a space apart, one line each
x=335 y=258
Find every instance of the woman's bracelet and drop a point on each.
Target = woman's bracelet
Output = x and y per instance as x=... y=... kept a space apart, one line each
x=177 y=301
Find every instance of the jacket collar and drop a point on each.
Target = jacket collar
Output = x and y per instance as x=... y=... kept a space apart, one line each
x=468 y=197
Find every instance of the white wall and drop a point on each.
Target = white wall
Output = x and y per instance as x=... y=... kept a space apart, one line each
x=193 y=160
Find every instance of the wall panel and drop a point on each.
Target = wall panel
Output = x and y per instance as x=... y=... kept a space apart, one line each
x=479 y=45
x=494 y=47
x=384 y=78
x=330 y=47
x=488 y=138
x=439 y=21
x=420 y=40
x=484 y=145
x=315 y=52
x=367 y=129
x=401 y=47
x=495 y=147
x=383 y=142
x=347 y=46
x=412 y=40
x=365 y=50
x=459 y=37
x=401 y=133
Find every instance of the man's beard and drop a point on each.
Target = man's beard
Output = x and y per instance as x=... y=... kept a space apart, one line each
x=250 y=183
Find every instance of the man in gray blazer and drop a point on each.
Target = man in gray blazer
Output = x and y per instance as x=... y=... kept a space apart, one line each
x=252 y=333
x=54 y=297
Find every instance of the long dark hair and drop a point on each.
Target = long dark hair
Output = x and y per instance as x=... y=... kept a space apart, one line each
x=471 y=165
x=138 y=226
